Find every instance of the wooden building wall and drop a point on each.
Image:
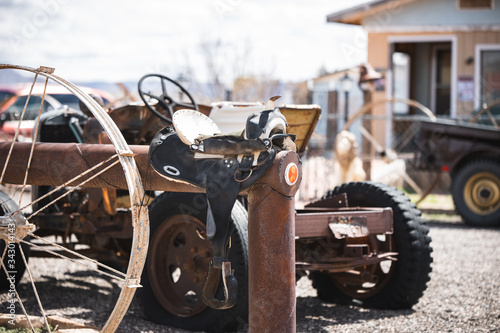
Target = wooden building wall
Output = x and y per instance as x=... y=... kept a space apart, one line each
x=466 y=46
x=378 y=57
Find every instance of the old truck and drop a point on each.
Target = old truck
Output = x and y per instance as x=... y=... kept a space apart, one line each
x=470 y=152
x=81 y=190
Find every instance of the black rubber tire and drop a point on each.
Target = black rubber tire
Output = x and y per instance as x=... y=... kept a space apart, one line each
x=475 y=171
x=170 y=204
x=17 y=266
x=410 y=273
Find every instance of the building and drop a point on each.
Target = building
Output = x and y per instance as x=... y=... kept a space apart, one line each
x=444 y=54
x=331 y=92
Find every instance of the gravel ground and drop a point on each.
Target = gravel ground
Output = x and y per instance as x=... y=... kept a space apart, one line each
x=462 y=296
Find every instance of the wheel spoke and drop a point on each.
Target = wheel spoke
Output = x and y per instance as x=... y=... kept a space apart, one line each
x=187 y=106
x=81 y=256
x=163 y=87
x=6 y=271
x=74 y=189
x=412 y=183
x=410 y=133
x=17 y=130
x=63 y=185
x=28 y=270
x=168 y=106
x=33 y=141
x=4 y=251
x=151 y=96
x=378 y=147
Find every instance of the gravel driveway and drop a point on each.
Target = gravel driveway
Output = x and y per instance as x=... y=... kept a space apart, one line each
x=463 y=294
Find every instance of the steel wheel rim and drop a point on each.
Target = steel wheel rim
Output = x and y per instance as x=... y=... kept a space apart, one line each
x=139 y=213
x=482 y=193
x=368 y=289
x=178 y=264
x=376 y=147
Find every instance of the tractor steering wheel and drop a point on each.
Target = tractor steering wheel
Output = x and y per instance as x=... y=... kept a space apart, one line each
x=164 y=100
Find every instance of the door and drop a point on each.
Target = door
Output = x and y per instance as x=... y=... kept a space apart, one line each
x=441 y=79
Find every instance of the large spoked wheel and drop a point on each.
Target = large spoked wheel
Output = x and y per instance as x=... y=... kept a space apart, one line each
x=20 y=210
x=476 y=192
x=404 y=131
x=164 y=98
x=177 y=265
x=396 y=284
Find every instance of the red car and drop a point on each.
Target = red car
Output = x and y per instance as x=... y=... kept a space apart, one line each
x=13 y=99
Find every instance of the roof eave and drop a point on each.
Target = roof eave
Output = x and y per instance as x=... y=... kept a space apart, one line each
x=356 y=14
x=346 y=20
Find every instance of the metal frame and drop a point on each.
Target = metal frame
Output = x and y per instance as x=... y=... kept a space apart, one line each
x=140 y=218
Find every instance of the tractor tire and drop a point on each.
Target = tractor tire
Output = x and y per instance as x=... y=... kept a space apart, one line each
x=400 y=283
x=177 y=265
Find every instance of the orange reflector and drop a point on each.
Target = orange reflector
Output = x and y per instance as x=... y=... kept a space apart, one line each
x=291 y=174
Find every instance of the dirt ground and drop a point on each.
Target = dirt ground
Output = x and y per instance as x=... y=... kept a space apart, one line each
x=463 y=294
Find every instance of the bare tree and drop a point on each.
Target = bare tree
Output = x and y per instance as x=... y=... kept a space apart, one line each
x=228 y=66
x=212 y=52
x=300 y=93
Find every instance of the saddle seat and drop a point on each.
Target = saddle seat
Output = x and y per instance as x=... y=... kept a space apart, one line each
x=176 y=152
x=194 y=150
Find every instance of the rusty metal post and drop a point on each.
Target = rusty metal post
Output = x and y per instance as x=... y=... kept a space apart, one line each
x=271 y=241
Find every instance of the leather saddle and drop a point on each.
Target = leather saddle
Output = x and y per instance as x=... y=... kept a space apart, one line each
x=194 y=150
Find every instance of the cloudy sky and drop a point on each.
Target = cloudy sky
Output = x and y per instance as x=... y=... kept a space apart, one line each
x=94 y=40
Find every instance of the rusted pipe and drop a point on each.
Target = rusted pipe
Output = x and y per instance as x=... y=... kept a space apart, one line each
x=271 y=239
x=54 y=164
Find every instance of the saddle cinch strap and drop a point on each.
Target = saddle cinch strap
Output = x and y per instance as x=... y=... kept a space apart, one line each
x=224 y=164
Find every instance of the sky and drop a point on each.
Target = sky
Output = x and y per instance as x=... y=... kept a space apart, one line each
x=114 y=41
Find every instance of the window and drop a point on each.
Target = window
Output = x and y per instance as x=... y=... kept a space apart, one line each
x=15 y=111
x=68 y=99
x=401 y=69
x=487 y=75
x=475 y=4
x=4 y=95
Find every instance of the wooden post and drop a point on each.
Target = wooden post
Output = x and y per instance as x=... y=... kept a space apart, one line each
x=366 y=147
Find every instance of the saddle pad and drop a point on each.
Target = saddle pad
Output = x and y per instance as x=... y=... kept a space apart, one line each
x=190 y=124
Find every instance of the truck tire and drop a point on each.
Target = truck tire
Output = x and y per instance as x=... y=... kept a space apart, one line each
x=177 y=264
x=475 y=190
x=401 y=284
x=7 y=205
